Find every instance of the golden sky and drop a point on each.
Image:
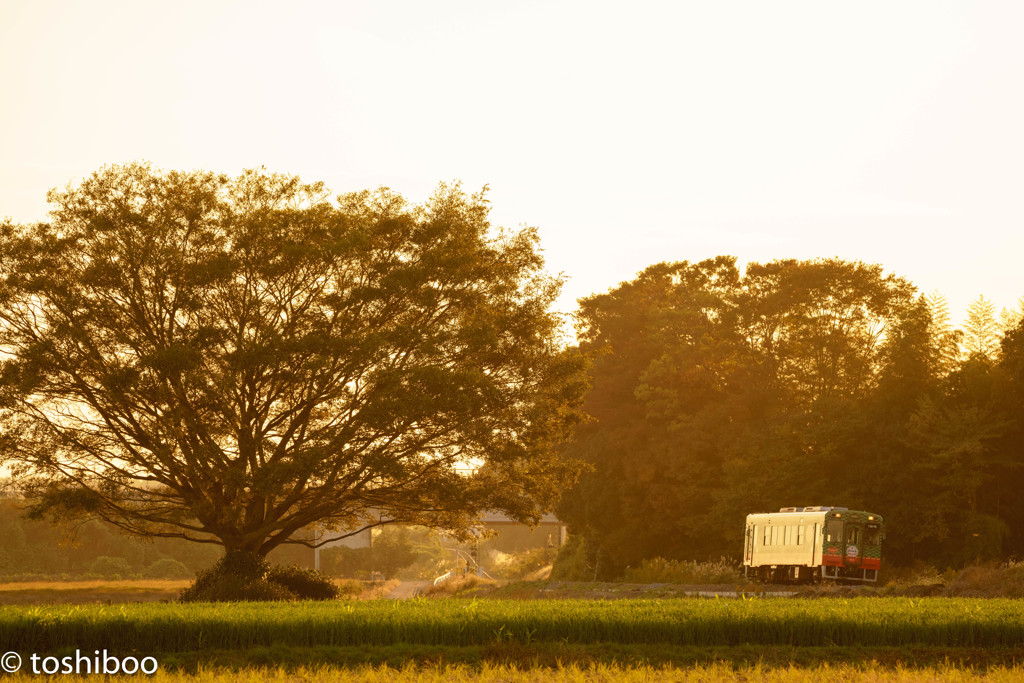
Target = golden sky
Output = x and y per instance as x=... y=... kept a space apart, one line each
x=891 y=132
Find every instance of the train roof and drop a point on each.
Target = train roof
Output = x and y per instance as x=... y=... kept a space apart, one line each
x=824 y=509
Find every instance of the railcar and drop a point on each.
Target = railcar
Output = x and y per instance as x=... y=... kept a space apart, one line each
x=809 y=544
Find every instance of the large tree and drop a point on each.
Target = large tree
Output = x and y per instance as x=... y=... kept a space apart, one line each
x=231 y=360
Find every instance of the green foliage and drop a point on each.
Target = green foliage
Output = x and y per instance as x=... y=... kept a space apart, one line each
x=578 y=560
x=981 y=329
x=660 y=570
x=348 y=562
x=268 y=359
x=1005 y=580
x=238 y=576
x=38 y=549
x=167 y=568
x=717 y=394
x=242 y=576
x=110 y=567
x=394 y=551
x=305 y=584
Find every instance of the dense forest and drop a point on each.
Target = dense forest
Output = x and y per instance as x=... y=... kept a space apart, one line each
x=718 y=393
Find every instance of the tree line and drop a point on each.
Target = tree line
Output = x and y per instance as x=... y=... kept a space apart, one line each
x=717 y=393
x=230 y=360
x=36 y=549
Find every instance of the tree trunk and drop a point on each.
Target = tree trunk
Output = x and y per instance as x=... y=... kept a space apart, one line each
x=243 y=564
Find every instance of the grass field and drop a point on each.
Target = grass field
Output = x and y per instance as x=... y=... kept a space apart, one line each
x=933 y=622
x=784 y=640
x=140 y=590
x=96 y=585
x=84 y=592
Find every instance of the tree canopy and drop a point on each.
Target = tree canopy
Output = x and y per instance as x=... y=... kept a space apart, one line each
x=718 y=393
x=231 y=360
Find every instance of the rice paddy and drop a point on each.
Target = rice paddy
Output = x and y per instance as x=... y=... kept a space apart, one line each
x=880 y=622
x=711 y=673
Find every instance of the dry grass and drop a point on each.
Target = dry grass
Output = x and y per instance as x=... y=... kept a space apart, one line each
x=460 y=586
x=84 y=592
x=150 y=590
x=489 y=673
x=660 y=570
x=1003 y=581
x=542 y=574
x=100 y=585
x=377 y=590
x=978 y=581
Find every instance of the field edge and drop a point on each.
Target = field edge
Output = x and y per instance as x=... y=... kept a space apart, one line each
x=556 y=655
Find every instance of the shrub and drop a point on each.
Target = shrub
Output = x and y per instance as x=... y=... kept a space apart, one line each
x=236 y=577
x=576 y=561
x=350 y=588
x=306 y=584
x=1005 y=581
x=660 y=570
x=225 y=588
x=167 y=568
x=110 y=567
x=249 y=577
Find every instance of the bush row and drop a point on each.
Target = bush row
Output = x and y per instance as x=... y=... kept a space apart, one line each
x=111 y=568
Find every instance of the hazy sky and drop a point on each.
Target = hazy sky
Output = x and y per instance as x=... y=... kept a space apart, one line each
x=889 y=132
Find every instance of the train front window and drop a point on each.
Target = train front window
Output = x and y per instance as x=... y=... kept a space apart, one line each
x=853 y=535
x=833 y=531
x=872 y=535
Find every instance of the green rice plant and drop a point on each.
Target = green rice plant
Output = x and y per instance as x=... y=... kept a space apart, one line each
x=925 y=622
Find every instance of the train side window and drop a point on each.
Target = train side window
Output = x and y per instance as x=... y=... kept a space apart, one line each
x=833 y=531
x=767 y=535
x=800 y=535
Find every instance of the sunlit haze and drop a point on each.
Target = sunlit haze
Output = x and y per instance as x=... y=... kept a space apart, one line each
x=889 y=132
